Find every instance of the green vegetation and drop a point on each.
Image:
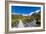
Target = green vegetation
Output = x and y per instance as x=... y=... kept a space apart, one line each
x=25 y=19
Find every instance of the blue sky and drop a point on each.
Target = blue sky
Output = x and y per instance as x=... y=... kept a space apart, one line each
x=23 y=9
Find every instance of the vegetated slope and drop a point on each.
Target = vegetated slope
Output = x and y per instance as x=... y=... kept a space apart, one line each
x=26 y=19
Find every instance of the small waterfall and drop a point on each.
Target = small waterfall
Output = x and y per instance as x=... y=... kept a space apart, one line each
x=34 y=23
x=20 y=25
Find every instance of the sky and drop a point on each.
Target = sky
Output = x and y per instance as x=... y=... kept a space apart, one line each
x=23 y=9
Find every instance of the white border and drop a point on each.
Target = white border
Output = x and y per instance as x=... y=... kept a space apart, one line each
x=28 y=28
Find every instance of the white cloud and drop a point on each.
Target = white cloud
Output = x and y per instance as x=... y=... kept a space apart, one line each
x=25 y=14
x=15 y=13
x=37 y=11
x=31 y=13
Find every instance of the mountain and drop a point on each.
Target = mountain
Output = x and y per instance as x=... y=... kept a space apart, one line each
x=26 y=18
x=26 y=14
x=36 y=15
x=31 y=13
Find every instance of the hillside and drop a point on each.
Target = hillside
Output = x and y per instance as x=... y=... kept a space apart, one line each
x=25 y=19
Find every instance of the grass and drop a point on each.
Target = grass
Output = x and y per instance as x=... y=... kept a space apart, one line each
x=25 y=19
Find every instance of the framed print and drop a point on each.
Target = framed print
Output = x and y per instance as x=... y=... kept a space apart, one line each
x=24 y=16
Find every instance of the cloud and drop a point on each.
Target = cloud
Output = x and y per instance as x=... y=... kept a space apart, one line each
x=26 y=14
x=15 y=13
x=34 y=12
x=31 y=13
x=37 y=11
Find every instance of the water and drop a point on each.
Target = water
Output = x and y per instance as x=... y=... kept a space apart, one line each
x=20 y=25
x=33 y=23
x=30 y=24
